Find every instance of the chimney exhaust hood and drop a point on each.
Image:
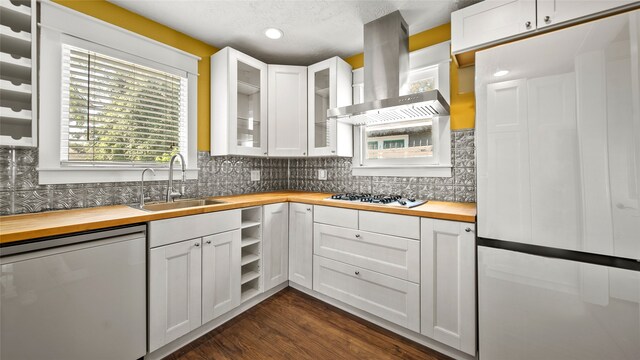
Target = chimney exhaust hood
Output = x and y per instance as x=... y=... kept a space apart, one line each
x=386 y=77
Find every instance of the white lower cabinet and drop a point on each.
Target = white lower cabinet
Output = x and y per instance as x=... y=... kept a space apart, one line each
x=301 y=244
x=220 y=274
x=275 y=244
x=448 y=294
x=174 y=291
x=392 y=299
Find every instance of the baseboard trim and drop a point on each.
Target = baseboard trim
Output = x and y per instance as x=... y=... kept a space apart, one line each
x=199 y=332
x=406 y=333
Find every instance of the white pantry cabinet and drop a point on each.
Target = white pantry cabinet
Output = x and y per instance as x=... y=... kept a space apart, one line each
x=287 y=110
x=448 y=283
x=275 y=247
x=493 y=21
x=220 y=274
x=238 y=104
x=174 y=291
x=329 y=86
x=301 y=244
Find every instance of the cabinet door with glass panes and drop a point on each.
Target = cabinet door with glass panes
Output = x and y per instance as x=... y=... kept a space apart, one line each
x=238 y=104
x=329 y=86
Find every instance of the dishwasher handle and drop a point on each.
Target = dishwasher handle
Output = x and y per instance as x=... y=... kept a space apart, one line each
x=48 y=243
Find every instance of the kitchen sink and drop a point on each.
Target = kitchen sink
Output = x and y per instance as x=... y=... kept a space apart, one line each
x=180 y=204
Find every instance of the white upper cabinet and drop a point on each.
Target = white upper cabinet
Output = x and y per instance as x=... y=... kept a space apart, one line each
x=494 y=21
x=287 y=110
x=552 y=12
x=238 y=104
x=490 y=21
x=329 y=86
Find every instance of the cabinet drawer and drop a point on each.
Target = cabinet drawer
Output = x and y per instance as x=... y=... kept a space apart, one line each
x=395 y=300
x=389 y=255
x=390 y=224
x=169 y=231
x=336 y=216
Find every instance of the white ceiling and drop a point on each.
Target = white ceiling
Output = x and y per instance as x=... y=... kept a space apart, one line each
x=313 y=29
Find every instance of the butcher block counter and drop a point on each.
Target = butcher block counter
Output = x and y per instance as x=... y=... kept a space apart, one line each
x=53 y=223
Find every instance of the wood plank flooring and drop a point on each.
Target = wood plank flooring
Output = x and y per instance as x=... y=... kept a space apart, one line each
x=293 y=325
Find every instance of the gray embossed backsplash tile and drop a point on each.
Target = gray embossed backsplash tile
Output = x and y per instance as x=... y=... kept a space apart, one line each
x=229 y=175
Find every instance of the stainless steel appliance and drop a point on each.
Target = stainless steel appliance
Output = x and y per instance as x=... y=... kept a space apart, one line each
x=558 y=157
x=386 y=200
x=76 y=297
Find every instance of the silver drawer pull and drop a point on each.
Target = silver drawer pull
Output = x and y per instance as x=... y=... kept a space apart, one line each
x=196 y=244
x=358 y=235
x=208 y=241
x=467 y=229
x=357 y=272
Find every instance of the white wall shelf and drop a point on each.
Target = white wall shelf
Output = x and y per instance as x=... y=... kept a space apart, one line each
x=18 y=101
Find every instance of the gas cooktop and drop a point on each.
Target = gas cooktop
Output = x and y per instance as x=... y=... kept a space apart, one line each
x=388 y=200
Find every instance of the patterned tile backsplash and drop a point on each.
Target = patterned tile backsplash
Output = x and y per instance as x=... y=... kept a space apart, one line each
x=228 y=175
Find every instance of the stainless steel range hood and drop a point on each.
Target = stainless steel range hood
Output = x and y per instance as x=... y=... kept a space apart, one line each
x=386 y=75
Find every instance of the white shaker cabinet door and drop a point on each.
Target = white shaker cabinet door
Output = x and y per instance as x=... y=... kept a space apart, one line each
x=287 y=110
x=553 y=12
x=275 y=246
x=448 y=289
x=301 y=244
x=489 y=22
x=220 y=274
x=174 y=291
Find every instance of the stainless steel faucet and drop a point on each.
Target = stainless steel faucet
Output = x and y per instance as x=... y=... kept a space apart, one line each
x=171 y=194
x=142 y=185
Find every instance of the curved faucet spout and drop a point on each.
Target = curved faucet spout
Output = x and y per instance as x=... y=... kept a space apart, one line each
x=171 y=194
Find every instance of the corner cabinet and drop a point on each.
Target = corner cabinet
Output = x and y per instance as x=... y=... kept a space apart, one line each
x=448 y=295
x=329 y=86
x=238 y=104
x=287 y=110
x=301 y=244
x=18 y=80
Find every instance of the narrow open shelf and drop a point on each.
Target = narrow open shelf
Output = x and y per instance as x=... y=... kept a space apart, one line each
x=249 y=223
x=248 y=294
x=249 y=258
x=249 y=241
x=6 y=114
x=249 y=276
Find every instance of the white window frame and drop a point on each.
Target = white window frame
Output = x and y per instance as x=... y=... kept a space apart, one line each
x=62 y=25
x=438 y=165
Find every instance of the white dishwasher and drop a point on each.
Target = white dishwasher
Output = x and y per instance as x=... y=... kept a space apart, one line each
x=76 y=297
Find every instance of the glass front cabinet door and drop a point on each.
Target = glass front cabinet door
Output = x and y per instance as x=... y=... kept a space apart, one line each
x=238 y=104
x=329 y=86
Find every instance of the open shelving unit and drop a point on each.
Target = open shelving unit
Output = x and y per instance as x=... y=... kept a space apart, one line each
x=251 y=260
x=18 y=82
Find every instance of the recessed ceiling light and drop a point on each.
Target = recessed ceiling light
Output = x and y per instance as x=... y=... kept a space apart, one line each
x=500 y=73
x=273 y=33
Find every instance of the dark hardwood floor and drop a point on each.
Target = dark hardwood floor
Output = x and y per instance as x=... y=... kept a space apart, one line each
x=293 y=325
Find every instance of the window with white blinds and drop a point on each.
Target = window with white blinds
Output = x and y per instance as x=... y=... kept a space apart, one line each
x=116 y=112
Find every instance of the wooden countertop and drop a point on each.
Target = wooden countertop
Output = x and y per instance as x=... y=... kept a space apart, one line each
x=32 y=226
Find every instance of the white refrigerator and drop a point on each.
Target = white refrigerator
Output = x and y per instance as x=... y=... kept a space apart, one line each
x=558 y=163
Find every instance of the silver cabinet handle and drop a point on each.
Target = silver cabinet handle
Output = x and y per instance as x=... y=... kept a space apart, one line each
x=196 y=244
x=304 y=153
x=467 y=229
x=528 y=24
x=358 y=235
x=547 y=19
x=357 y=272
x=265 y=153
x=208 y=241
x=308 y=209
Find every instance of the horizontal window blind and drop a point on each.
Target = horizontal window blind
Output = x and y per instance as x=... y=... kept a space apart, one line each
x=115 y=112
